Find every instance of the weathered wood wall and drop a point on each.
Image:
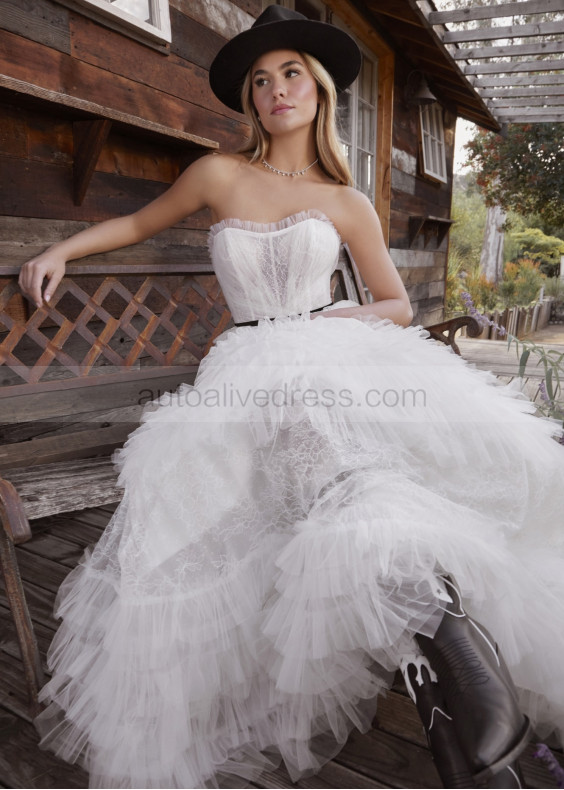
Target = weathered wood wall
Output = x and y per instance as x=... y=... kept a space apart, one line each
x=422 y=261
x=48 y=45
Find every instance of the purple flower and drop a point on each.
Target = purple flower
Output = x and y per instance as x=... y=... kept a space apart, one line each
x=543 y=753
x=544 y=393
x=482 y=319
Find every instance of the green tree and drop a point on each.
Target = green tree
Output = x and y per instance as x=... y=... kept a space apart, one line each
x=534 y=244
x=522 y=170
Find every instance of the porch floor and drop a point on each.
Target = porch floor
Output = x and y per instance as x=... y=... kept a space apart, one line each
x=393 y=754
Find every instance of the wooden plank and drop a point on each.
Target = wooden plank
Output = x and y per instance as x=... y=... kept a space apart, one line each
x=36 y=231
x=52 y=196
x=396 y=762
x=40 y=606
x=509 y=31
x=174 y=75
x=527 y=112
x=194 y=42
x=473 y=13
x=60 y=448
x=554 y=117
x=516 y=66
x=332 y=775
x=532 y=79
x=67 y=486
x=502 y=93
x=81 y=528
x=533 y=101
x=537 y=48
x=46 y=574
x=38 y=20
x=71 y=397
x=398 y=716
x=57 y=549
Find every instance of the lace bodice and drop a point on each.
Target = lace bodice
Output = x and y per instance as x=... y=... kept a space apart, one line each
x=270 y=270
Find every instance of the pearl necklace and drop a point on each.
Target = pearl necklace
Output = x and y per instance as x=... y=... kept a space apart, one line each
x=285 y=172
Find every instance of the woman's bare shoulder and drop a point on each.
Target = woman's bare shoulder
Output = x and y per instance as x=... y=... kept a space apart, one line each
x=217 y=163
x=353 y=212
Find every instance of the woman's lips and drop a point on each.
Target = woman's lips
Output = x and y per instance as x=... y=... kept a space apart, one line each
x=282 y=108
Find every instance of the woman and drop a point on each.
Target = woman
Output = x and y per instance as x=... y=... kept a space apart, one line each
x=289 y=522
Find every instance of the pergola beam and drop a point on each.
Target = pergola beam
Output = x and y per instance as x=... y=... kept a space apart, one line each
x=514 y=92
x=512 y=31
x=532 y=79
x=536 y=48
x=528 y=112
x=555 y=118
x=536 y=101
x=494 y=11
x=513 y=66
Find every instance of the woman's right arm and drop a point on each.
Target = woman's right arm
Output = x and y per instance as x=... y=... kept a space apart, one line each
x=191 y=192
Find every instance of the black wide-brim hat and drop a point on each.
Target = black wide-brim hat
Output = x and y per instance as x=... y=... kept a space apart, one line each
x=282 y=28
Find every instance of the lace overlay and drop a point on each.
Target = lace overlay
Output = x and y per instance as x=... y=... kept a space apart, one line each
x=275 y=269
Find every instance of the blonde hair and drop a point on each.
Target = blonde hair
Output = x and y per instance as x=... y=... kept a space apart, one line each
x=332 y=160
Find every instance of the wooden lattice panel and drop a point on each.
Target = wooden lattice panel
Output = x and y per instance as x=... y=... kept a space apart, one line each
x=107 y=324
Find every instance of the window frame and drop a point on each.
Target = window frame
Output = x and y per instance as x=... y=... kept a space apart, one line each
x=433 y=146
x=357 y=101
x=159 y=32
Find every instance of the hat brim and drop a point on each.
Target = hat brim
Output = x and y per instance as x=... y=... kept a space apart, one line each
x=334 y=48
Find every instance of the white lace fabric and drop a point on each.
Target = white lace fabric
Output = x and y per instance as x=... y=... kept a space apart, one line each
x=275 y=269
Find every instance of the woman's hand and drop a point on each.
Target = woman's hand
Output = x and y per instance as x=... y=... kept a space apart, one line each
x=49 y=265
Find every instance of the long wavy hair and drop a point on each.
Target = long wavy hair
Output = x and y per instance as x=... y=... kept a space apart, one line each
x=329 y=150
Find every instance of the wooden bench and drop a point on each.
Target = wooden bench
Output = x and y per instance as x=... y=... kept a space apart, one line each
x=76 y=375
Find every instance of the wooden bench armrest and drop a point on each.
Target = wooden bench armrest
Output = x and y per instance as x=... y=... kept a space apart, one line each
x=446 y=330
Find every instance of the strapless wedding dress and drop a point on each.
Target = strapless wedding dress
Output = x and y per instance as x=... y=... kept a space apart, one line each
x=284 y=525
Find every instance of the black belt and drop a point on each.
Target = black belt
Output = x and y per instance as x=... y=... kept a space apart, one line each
x=255 y=323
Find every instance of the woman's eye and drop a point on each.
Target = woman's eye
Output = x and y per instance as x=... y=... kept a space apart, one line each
x=260 y=81
x=292 y=73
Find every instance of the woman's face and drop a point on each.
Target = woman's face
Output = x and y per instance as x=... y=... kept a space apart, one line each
x=284 y=91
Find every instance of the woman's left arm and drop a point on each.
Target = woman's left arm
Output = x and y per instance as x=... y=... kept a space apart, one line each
x=360 y=228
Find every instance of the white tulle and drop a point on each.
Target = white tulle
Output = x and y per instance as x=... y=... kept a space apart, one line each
x=283 y=527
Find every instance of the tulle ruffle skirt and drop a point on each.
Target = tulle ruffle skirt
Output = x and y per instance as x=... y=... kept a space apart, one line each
x=283 y=531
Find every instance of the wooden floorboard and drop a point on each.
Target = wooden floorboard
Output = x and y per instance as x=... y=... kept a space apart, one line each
x=393 y=754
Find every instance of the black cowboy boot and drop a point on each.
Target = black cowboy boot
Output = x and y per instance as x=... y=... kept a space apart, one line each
x=422 y=687
x=480 y=696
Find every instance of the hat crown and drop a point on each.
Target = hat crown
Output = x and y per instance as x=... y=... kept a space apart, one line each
x=277 y=13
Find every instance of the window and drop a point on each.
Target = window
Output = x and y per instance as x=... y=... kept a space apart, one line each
x=433 y=141
x=151 y=17
x=356 y=117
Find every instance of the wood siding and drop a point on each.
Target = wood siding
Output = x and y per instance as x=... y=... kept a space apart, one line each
x=64 y=53
x=421 y=261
